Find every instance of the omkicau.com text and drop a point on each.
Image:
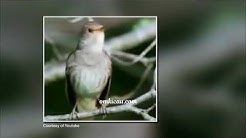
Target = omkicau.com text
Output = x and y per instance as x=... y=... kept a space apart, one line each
x=61 y=126
x=115 y=101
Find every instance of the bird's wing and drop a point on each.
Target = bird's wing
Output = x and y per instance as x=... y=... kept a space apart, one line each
x=105 y=91
x=70 y=91
x=69 y=88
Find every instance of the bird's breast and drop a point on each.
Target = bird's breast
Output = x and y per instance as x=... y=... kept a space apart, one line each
x=89 y=72
x=90 y=81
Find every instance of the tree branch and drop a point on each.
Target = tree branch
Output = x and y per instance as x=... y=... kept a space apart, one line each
x=54 y=70
x=134 y=58
x=115 y=109
x=77 y=19
x=116 y=54
x=133 y=38
x=57 y=53
x=139 y=85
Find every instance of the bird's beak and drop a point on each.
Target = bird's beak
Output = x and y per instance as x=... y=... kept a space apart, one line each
x=99 y=29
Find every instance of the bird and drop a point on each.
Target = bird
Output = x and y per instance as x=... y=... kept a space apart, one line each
x=88 y=70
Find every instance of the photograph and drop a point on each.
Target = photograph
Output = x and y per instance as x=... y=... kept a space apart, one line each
x=100 y=69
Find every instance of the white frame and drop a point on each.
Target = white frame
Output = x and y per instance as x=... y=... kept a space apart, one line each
x=102 y=121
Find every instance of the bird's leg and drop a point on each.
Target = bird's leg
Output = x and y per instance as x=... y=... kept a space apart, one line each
x=74 y=115
x=103 y=108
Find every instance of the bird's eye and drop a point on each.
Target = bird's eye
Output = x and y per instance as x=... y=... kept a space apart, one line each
x=90 y=30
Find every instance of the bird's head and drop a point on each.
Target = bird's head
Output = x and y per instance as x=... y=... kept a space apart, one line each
x=93 y=35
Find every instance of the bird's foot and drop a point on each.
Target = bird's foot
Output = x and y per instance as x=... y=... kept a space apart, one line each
x=73 y=115
x=103 y=111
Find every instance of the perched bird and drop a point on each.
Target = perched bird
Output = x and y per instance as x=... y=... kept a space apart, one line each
x=88 y=70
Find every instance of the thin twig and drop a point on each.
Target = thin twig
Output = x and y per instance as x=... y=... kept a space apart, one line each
x=141 y=112
x=77 y=19
x=144 y=52
x=139 y=85
x=90 y=19
x=151 y=108
x=57 y=53
x=143 y=78
x=134 y=58
x=133 y=38
x=154 y=79
x=54 y=70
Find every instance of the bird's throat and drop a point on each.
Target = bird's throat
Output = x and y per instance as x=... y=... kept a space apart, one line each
x=90 y=45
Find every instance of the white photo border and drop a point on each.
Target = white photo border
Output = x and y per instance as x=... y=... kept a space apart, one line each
x=102 y=121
